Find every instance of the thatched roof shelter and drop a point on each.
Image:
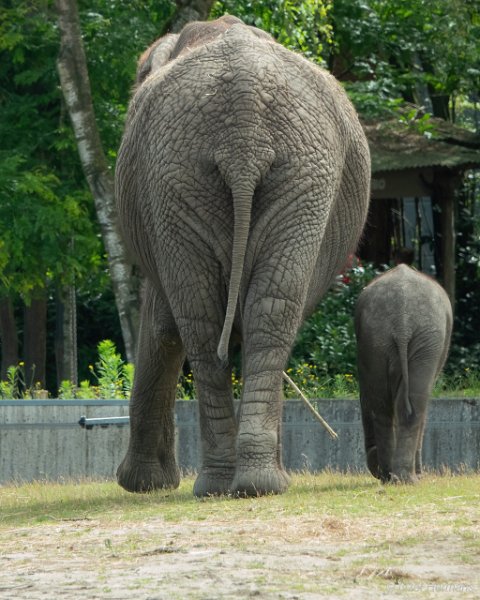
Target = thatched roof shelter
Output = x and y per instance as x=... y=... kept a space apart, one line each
x=420 y=159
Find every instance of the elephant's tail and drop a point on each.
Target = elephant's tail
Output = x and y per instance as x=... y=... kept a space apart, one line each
x=242 y=194
x=402 y=397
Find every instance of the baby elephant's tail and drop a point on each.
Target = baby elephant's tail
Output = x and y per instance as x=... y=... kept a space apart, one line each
x=403 y=406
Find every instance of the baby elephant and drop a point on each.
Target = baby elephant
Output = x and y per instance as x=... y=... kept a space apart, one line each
x=403 y=323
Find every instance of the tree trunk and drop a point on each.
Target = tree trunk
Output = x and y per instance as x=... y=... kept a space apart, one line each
x=420 y=92
x=72 y=69
x=190 y=10
x=66 y=336
x=35 y=339
x=8 y=336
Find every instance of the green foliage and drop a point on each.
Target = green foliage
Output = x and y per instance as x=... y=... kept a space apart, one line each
x=113 y=377
x=458 y=383
x=115 y=34
x=307 y=378
x=303 y=26
x=45 y=213
x=388 y=50
x=186 y=387
x=46 y=233
x=17 y=387
x=30 y=94
x=327 y=340
x=66 y=390
x=12 y=386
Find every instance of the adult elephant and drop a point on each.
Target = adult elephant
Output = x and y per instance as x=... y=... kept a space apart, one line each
x=403 y=324
x=242 y=185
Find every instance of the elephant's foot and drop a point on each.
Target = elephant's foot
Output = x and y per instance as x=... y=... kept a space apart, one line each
x=372 y=462
x=260 y=482
x=136 y=475
x=213 y=482
x=405 y=477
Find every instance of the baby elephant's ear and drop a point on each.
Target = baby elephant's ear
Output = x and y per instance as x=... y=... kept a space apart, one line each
x=155 y=57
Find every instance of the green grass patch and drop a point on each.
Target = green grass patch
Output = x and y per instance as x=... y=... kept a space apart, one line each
x=448 y=498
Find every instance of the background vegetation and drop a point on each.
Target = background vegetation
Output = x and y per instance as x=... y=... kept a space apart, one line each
x=386 y=53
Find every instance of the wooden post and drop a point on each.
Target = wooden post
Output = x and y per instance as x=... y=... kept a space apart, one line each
x=448 y=234
x=66 y=335
x=8 y=336
x=35 y=339
x=444 y=190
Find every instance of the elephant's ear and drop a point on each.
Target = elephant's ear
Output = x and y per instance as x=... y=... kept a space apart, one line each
x=155 y=57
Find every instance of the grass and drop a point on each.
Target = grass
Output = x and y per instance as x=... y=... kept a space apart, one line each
x=330 y=535
x=446 y=498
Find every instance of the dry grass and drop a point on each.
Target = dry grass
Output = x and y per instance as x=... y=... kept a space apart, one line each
x=331 y=535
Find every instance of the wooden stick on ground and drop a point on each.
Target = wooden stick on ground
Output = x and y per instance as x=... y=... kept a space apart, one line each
x=310 y=406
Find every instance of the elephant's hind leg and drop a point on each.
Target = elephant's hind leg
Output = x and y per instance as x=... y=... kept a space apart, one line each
x=200 y=321
x=407 y=457
x=150 y=460
x=260 y=468
x=217 y=425
x=369 y=435
x=269 y=330
x=410 y=427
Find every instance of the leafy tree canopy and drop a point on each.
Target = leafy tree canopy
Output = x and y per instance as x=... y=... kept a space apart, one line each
x=302 y=26
x=46 y=230
x=387 y=51
x=47 y=226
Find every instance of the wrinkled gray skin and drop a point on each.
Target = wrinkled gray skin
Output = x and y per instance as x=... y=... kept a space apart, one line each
x=242 y=184
x=403 y=323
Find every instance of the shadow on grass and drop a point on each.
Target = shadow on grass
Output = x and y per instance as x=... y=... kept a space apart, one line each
x=83 y=501
x=43 y=502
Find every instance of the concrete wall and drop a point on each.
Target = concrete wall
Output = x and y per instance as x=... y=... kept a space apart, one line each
x=41 y=439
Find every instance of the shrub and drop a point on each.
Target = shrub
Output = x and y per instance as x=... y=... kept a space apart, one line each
x=326 y=342
x=114 y=377
x=11 y=387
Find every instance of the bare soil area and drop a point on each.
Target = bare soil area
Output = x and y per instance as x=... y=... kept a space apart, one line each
x=222 y=556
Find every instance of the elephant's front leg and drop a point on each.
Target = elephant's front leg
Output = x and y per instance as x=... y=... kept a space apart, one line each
x=150 y=460
x=369 y=433
x=385 y=440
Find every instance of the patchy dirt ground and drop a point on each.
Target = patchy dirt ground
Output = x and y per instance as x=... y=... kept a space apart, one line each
x=292 y=557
